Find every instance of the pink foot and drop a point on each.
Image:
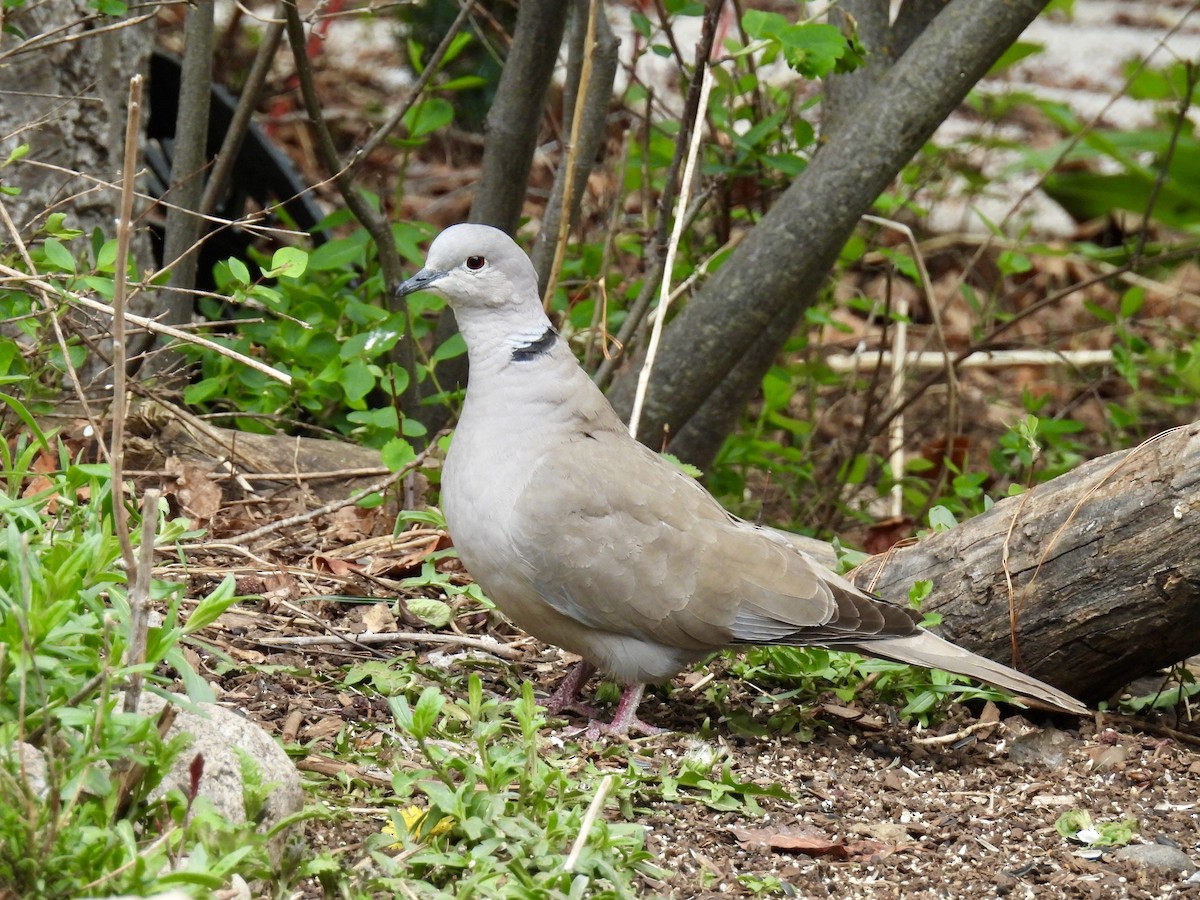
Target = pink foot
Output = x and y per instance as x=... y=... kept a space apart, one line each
x=625 y=719
x=566 y=696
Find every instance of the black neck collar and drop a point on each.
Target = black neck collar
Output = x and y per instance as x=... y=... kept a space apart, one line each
x=536 y=348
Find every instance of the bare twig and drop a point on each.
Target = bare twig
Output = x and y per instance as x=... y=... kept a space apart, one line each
x=218 y=179
x=124 y=230
x=51 y=292
x=896 y=434
x=567 y=164
x=88 y=29
x=589 y=819
x=981 y=359
x=673 y=245
x=942 y=739
x=139 y=599
x=414 y=637
x=397 y=115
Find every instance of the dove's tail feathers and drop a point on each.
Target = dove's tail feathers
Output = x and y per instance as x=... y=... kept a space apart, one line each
x=927 y=649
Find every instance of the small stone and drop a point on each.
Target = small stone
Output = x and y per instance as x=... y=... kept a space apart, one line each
x=1158 y=857
x=1048 y=747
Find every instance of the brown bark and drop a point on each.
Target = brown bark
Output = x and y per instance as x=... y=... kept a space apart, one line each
x=715 y=351
x=1104 y=564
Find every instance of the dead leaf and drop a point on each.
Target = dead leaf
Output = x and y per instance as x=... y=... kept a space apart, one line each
x=800 y=838
x=854 y=714
x=868 y=849
x=198 y=495
x=326 y=726
x=1105 y=758
x=351 y=523
x=378 y=619
x=989 y=716
x=334 y=566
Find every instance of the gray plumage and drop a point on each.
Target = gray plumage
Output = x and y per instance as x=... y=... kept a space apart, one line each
x=590 y=541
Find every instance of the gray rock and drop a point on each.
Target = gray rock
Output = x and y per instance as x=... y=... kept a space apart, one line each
x=1158 y=857
x=26 y=760
x=1048 y=747
x=217 y=734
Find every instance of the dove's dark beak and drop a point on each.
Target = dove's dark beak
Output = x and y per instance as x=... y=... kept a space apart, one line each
x=420 y=282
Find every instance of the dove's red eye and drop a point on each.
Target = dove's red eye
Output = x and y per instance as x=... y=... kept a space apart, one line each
x=475 y=262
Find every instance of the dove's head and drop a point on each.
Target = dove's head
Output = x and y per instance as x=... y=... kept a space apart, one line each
x=475 y=266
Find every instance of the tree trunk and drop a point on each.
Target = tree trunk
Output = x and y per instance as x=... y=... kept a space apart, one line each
x=65 y=88
x=512 y=128
x=772 y=277
x=1104 y=564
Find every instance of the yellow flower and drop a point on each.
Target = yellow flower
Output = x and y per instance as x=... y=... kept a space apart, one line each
x=413 y=817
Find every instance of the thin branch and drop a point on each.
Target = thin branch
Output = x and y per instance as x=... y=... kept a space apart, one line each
x=222 y=171
x=89 y=30
x=54 y=292
x=567 y=164
x=133 y=127
x=896 y=433
x=676 y=235
x=139 y=598
x=375 y=224
x=388 y=637
x=589 y=819
x=398 y=114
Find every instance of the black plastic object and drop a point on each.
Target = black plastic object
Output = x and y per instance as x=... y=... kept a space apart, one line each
x=262 y=177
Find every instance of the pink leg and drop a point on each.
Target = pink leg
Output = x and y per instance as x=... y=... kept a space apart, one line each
x=566 y=695
x=625 y=719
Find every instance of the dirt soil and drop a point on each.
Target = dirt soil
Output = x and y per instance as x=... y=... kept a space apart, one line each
x=880 y=809
x=877 y=808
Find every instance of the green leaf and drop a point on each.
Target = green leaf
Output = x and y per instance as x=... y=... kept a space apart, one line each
x=106 y=258
x=425 y=713
x=461 y=41
x=18 y=152
x=19 y=408
x=920 y=590
x=383 y=418
x=430 y=611
x=941 y=519
x=58 y=255
x=337 y=254
x=1116 y=834
x=854 y=471
x=1131 y=302
x=450 y=348
x=411 y=427
x=428 y=116
x=762 y=25
x=1014 y=54
x=815 y=50
x=289 y=261
x=686 y=468
x=397 y=453
x=239 y=270
x=208 y=609
x=357 y=380
x=54 y=225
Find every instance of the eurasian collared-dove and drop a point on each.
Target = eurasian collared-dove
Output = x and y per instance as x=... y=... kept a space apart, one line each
x=590 y=541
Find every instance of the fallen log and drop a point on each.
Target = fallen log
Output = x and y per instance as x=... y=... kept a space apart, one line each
x=1087 y=581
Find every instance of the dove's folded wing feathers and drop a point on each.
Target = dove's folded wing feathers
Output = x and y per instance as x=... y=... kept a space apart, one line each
x=626 y=543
